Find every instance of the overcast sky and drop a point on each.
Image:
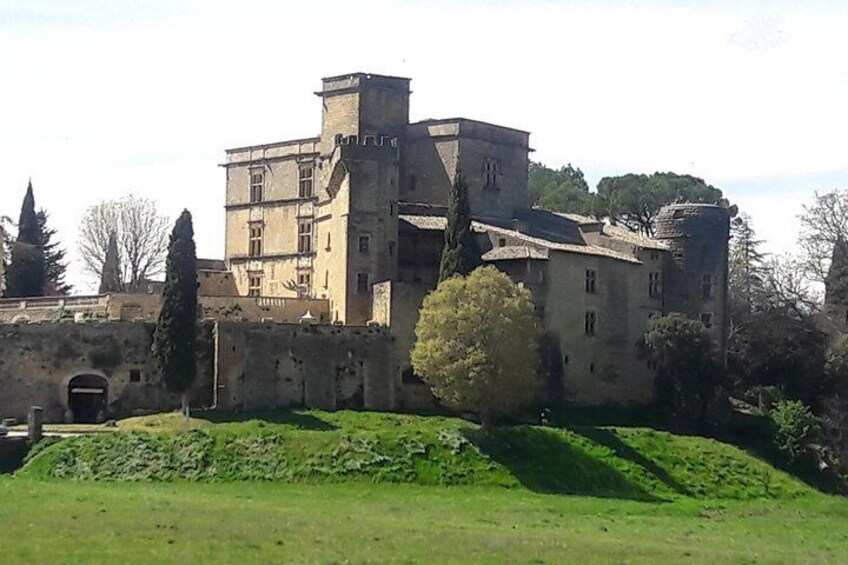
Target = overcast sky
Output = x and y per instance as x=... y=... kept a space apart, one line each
x=99 y=98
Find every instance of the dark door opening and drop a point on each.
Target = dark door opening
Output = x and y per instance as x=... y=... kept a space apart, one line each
x=88 y=399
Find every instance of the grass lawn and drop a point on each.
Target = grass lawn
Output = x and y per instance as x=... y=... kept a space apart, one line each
x=84 y=522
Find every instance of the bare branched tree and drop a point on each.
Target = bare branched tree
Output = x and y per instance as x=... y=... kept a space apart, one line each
x=823 y=223
x=142 y=236
x=789 y=288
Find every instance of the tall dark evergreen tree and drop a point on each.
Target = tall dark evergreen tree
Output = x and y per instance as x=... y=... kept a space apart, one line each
x=462 y=252
x=174 y=337
x=55 y=264
x=110 y=278
x=26 y=274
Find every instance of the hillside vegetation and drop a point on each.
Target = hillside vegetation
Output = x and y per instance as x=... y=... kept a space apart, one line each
x=314 y=446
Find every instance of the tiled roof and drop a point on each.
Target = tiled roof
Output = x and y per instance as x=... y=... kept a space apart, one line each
x=624 y=234
x=438 y=223
x=515 y=252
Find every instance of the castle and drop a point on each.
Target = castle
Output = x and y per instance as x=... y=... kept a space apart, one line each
x=333 y=241
x=356 y=216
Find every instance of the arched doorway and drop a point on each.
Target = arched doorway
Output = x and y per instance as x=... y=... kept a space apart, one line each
x=88 y=398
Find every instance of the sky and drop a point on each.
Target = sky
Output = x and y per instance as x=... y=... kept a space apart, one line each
x=101 y=98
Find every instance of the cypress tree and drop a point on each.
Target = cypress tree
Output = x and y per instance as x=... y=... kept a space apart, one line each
x=55 y=264
x=26 y=273
x=174 y=336
x=110 y=278
x=461 y=253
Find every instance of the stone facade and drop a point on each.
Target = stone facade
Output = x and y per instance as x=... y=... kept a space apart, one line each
x=103 y=369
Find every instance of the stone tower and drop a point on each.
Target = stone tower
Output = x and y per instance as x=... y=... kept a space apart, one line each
x=695 y=281
x=363 y=124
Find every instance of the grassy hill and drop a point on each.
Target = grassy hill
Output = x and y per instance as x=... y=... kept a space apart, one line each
x=321 y=447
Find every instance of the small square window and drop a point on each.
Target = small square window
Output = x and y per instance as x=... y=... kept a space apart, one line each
x=255 y=240
x=501 y=242
x=589 y=323
x=707 y=319
x=135 y=375
x=654 y=288
x=706 y=286
x=304 y=237
x=257 y=184
x=590 y=281
x=362 y=283
x=305 y=181
x=254 y=285
x=364 y=243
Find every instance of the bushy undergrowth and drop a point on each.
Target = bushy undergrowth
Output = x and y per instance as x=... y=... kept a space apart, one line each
x=635 y=463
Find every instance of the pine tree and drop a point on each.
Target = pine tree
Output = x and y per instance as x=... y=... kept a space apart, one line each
x=55 y=264
x=747 y=265
x=26 y=273
x=174 y=337
x=462 y=253
x=110 y=278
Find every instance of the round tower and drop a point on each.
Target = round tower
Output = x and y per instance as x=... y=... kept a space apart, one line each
x=695 y=273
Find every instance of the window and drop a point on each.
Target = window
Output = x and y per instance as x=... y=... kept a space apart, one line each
x=707 y=319
x=591 y=367
x=655 y=255
x=257 y=184
x=706 y=286
x=304 y=237
x=589 y=323
x=254 y=284
x=501 y=242
x=392 y=245
x=305 y=183
x=327 y=278
x=590 y=281
x=135 y=375
x=304 y=279
x=328 y=241
x=392 y=207
x=653 y=285
x=364 y=243
x=490 y=173
x=362 y=283
x=255 y=242
x=652 y=364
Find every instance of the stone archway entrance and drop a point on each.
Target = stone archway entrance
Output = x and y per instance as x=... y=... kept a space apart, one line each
x=88 y=399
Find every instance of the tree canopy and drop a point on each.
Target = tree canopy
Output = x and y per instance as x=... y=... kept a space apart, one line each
x=631 y=200
x=477 y=342
x=142 y=238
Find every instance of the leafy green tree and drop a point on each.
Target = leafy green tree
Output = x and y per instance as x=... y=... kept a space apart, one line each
x=55 y=263
x=176 y=328
x=690 y=377
x=26 y=274
x=796 y=427
x=561 y=190
x=824 y=222
x=462 y=253
x=634 y=200
x=476 y=347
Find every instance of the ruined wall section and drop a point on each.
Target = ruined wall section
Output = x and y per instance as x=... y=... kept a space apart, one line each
x=262 y=366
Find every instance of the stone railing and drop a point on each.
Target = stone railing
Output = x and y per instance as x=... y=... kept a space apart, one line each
x=53 y=302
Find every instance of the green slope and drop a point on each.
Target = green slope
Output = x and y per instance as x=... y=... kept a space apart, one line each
x=314 y=446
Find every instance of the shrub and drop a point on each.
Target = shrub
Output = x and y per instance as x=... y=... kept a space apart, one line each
x=796 y=427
